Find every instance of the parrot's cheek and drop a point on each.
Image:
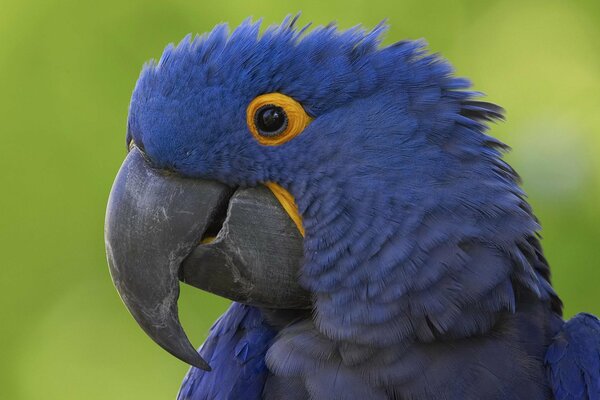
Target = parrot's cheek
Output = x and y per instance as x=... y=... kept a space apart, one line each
x=160 y=228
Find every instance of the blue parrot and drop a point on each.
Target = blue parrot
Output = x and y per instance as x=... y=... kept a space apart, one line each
x=346 y=197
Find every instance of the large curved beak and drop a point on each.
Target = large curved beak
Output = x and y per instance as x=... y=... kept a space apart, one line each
x=159 y=229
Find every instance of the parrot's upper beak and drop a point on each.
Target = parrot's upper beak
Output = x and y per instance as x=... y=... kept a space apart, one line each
x=157 y=232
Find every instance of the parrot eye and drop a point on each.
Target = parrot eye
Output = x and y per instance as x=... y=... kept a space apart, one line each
x=275 y=118
x=270 y=120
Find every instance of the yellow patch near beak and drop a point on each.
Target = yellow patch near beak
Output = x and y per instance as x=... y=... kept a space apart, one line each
x=288 y=203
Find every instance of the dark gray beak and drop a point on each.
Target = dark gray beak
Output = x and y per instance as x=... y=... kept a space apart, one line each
x=156 y=224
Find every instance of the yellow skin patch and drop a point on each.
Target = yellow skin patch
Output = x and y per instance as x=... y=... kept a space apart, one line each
x=208 y=240
x=288 y=203
x=297 y=118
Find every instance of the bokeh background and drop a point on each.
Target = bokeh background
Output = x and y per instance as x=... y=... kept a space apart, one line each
x=67 y=69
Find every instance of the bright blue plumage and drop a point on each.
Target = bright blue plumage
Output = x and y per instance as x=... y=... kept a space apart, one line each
x=235 y=348
x=421 y=252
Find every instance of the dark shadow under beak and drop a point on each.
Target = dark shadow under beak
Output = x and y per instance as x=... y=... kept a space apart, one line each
x=155 y=223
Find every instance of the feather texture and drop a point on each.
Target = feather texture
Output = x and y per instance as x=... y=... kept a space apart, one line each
x=421 y=251
x=235 y=349
x=573 y=360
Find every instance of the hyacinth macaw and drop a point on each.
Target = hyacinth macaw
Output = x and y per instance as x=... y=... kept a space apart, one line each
x=346 y=197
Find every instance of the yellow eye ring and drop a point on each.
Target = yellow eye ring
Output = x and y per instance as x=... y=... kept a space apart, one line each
x=275 y=118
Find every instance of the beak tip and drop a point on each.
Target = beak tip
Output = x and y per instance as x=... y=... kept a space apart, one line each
x=200 y=363
x=206 y=368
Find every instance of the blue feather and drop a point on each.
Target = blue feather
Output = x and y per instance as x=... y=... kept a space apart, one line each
x=235 y=349
x=573 y=359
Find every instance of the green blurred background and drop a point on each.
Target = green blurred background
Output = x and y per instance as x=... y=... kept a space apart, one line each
x=67 y=69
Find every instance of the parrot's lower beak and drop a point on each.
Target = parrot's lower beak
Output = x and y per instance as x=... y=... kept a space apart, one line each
x=159 y=230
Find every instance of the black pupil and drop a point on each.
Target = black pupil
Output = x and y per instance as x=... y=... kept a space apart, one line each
x=271 y=120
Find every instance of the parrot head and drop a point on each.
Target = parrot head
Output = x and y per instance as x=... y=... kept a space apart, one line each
x=308 y=170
